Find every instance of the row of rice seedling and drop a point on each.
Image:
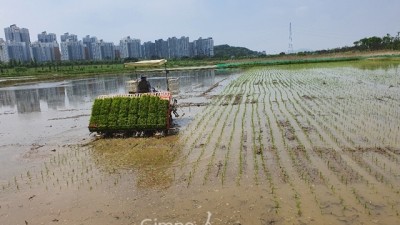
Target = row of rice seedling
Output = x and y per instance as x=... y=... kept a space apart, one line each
x=331 y=186
x=201 y=142
x=376 y=114
x=303 y=87
x=304 y=140
x=219 y=142
x=243 y=134
x=294 y=144
x=283 y=168
x=354 y=119
x=367 y=181
x=299 y=129
x=198 y=127
x=69 y=169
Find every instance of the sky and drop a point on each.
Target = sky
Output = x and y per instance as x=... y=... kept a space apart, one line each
x=260 y=25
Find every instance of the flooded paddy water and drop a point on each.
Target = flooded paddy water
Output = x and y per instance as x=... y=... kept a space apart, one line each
x=309 y=144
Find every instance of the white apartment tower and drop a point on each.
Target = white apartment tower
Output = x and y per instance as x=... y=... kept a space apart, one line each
x=18 y=43
x=130 y=48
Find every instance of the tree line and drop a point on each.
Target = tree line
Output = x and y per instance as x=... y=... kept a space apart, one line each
x=373 y=43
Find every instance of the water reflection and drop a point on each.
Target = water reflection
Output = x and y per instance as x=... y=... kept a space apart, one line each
x=80 y=93
x=378 y=64
x=28 y=100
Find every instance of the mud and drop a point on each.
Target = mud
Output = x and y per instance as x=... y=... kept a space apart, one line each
x=272 y=146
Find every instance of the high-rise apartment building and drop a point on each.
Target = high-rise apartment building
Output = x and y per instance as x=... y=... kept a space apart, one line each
x=178 y=48
x=103 y=50
x=4 y=51
x=68 y=37
x=44 y=37
x=203 y=47
x=16 y=34
x=18 y=43
x=18 y=51
x=71 y=48
x=161 y=47
x=172 y=47
x=183 y=47
x=130 y=48
x=46 y=49
x=88 y=41
x=149 y=50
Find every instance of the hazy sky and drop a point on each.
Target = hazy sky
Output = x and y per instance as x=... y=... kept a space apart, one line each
x=256 y=24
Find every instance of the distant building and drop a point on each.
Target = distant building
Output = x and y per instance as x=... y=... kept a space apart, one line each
x=178 y=48
x=47 y=38
x=172 y=48
x=88 y=41
x=161 y=48
x=103 y=50
x=117 y=50
x=202 y=47
x=68 y=37
x=149 y=50
x=130 y=48
x=18 y=47
x=45 y=51
x=18 y=43
x=183 y=47
x=4 y=51
x=71 y=48
x=18 y=51
x=16 y=34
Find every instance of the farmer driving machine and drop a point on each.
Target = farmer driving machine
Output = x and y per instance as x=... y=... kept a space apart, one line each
x=135 y=113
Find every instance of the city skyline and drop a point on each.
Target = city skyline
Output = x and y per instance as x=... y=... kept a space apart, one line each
x=258 y=25
x=18 y=47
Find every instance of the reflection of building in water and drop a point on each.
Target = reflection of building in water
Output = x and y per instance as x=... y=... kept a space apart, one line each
x=55 y=97
x=85 y=90
x=80 y=92
x=189 y=80
x=7 y=98
x=27 y=100
x=195 y=80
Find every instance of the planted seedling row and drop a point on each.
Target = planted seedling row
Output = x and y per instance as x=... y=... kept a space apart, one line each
x=332 y=188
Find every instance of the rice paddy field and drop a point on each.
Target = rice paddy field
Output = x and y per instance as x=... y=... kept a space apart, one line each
x=301 y=144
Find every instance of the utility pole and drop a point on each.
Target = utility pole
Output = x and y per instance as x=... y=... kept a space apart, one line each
x=290 y=50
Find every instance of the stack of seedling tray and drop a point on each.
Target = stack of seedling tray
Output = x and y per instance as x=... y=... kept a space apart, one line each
x=130 y=113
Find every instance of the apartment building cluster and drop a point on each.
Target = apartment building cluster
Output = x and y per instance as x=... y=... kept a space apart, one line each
x=18 y=47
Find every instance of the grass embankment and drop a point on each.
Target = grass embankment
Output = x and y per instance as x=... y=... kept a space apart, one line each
x=309 y=59
x=12 y=76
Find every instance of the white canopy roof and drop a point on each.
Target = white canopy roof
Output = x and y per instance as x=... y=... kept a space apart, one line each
x=146 y=63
